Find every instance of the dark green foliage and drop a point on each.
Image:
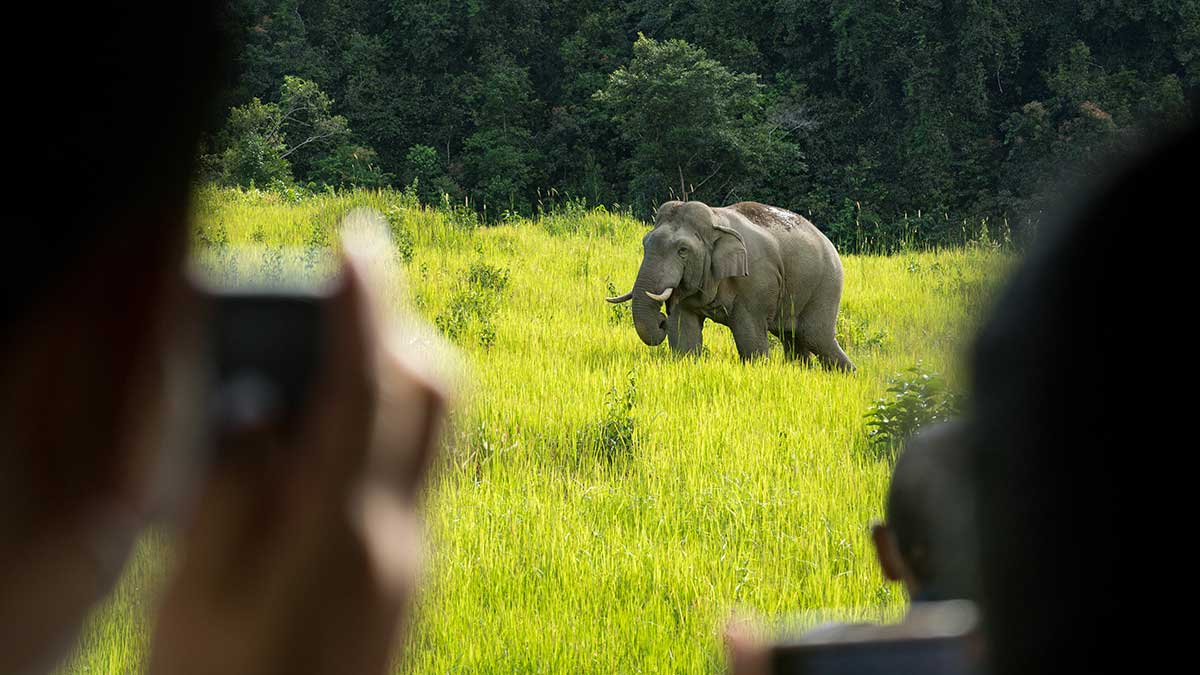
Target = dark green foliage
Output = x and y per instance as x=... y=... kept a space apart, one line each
x=423 y=171
x=317 y=246
x=694 y=127
x=350 y=166
x=915 y=398
x=887 y=124
x=298 y=137
x=250 y=149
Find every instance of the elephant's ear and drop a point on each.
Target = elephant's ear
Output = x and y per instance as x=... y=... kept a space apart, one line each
x=729 y=254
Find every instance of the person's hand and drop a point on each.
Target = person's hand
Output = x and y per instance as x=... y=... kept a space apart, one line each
x=747 y=650
x=303 y=555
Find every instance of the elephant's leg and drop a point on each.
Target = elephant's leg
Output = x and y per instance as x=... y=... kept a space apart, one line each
x=794 y=347
x=820 y=335
x=685 y=332
x=833 y=358
x=749 y=333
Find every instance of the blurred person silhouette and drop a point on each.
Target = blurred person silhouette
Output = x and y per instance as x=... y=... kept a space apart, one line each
x=926 y=540
x=1071 y=396
x=302 y=556
x=1078 y=418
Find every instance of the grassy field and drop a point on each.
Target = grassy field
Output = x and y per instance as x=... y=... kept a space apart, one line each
x=603 y=506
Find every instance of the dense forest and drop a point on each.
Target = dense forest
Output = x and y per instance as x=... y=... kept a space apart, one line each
x=928 y=113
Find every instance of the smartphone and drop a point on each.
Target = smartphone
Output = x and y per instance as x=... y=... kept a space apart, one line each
x=934 y=639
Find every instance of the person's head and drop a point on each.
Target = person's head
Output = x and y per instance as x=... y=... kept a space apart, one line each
x=110 y=101
x=925 y=541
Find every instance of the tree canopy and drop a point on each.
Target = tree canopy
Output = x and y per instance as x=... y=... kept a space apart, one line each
x=843 y=110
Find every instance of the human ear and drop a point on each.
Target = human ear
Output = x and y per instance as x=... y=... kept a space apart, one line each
x=887 y=552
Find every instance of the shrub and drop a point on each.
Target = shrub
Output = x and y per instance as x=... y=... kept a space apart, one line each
x=454 y=319
x=475 y=304
x=423 y=172
x=460 y=215
x=317 y=247
x=611 y=436
x=490 y=277
x=350 y=165
x=857 y=333
x=915 y=398
x=405 y=244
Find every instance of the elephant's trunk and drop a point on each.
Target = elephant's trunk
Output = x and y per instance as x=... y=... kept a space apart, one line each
x=649 y=321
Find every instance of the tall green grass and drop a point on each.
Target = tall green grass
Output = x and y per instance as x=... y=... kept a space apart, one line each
x=603 y=506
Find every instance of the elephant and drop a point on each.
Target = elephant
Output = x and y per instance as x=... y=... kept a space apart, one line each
x=752 y=267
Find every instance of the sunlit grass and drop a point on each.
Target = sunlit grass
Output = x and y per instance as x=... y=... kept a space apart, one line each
x=740 y=486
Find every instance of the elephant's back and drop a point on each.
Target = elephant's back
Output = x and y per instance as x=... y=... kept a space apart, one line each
x=772 y=217
x=791 y=229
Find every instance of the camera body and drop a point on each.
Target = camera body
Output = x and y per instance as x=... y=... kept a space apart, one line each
x=264 y=350
x=262 y=345
x=936 y=638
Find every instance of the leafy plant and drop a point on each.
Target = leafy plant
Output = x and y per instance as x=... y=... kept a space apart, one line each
x=272 y=264
x=487 y=333
x=461 y=215
x=213 y=238
x=857 y=332
x=915 y=398
x=612 y=435
x=403 y=239
x=316 y=246
x=619 y=314
x=474 y=305
x=704 y=149
x=485 y=276
x=350 y=165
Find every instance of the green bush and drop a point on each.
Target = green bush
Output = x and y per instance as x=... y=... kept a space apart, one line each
x=854 y=332
x=489 y=277
x=915 y=398
x=612 y=435
x=474 y=305
x=401 y=237
x=350 y=166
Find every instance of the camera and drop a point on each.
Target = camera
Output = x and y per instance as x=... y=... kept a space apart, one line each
x=936 y=638
x=263 y=346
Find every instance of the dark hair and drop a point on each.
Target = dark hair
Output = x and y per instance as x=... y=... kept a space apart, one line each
x=929 y=511
x=113 y=99
x=1072 y=388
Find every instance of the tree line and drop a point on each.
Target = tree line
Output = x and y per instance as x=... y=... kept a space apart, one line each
x=857 y=113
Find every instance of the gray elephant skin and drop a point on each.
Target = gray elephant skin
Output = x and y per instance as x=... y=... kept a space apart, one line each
x=752 y=267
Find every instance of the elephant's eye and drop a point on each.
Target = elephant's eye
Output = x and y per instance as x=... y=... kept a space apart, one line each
x=683 y=252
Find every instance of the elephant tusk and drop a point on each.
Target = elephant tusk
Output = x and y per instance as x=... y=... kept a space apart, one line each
x=661 y=298
x=621 y=298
